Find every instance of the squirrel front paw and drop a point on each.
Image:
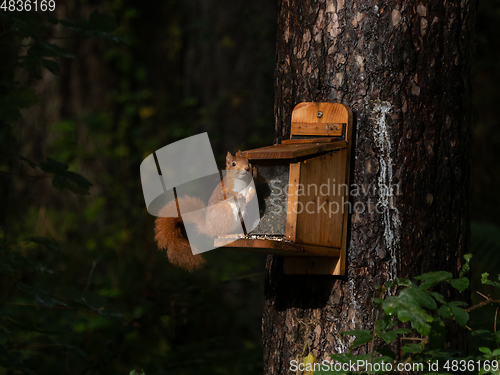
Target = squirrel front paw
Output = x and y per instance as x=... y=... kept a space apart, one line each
x=236 y=196
x=250 y=195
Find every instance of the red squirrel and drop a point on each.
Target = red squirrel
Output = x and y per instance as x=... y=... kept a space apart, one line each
x=221 y=215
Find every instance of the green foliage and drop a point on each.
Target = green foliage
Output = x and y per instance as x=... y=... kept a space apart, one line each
x=486 y=281
x=82 y=287
x=430 y=317
x=16 y=99
x=98 y=25
x=64 y=179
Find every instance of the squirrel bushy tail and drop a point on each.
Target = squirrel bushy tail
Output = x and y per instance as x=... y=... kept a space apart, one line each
x=171 y=235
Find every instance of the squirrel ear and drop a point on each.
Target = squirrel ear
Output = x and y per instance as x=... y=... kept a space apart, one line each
x=229 y=157
x=239 y=152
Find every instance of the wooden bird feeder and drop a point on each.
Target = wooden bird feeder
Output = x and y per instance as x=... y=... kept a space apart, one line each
x=302 y=185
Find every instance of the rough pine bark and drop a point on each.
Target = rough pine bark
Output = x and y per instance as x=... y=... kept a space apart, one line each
x=404 y=68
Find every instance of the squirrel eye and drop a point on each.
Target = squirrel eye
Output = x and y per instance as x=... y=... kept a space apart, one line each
x=234 y=164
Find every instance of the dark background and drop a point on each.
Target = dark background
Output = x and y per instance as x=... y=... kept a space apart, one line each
x=96 y=297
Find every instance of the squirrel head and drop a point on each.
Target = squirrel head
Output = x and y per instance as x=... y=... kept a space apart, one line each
x=238 y=163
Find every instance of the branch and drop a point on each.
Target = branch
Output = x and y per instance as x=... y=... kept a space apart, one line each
x=484 y=303
x=26 y=175
x=48 y=307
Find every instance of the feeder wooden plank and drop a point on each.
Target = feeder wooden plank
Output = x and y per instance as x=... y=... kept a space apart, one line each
x=291 y=219
x=308 y=140
x=283 y=248
x=321 y=201
x=310 y=266
x=307 y=113
x=292 y=151
x=317 y=128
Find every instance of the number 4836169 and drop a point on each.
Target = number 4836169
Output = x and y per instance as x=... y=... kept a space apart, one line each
x=28 y=5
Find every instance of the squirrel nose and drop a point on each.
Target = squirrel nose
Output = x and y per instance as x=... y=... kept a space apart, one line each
x=247 y=168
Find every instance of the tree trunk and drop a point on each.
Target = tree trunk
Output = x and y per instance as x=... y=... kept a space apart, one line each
x=404 y=68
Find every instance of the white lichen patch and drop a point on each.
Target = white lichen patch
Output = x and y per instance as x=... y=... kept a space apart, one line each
x=354 y=304
x=392 y=223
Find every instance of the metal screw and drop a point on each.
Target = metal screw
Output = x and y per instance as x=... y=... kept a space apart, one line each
x=319 y=114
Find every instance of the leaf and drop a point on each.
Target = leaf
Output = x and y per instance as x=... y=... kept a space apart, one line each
x=438 y=297
x=445 y=311
x=309 y=362
x=402 y=282
x=460 y=284
x=408 y=308
x=461 y=316
x=496 y=336
x=72 y=348
x=13 y=262
x=98 y=24
x=390 y=336
x=53 y=50
x=388 y=284
x=413 y=348
x=48 y=244
x=381 y=324
x=385 y=351
x=466 y=266
x=51 y=66
x=437 y=337
x=10 y=104
x=432 y=279
x=41 y=296
x=102 y=22
x=457 y=303
x=83 y=301
x=379 y=360
x=485 y=350
x=485 y=281
x=423 y=297
x=363 y=336
x=53 y=166
x=32 y=164
x=64 y=179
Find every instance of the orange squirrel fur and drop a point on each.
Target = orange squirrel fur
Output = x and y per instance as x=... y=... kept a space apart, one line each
x=169 y=231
